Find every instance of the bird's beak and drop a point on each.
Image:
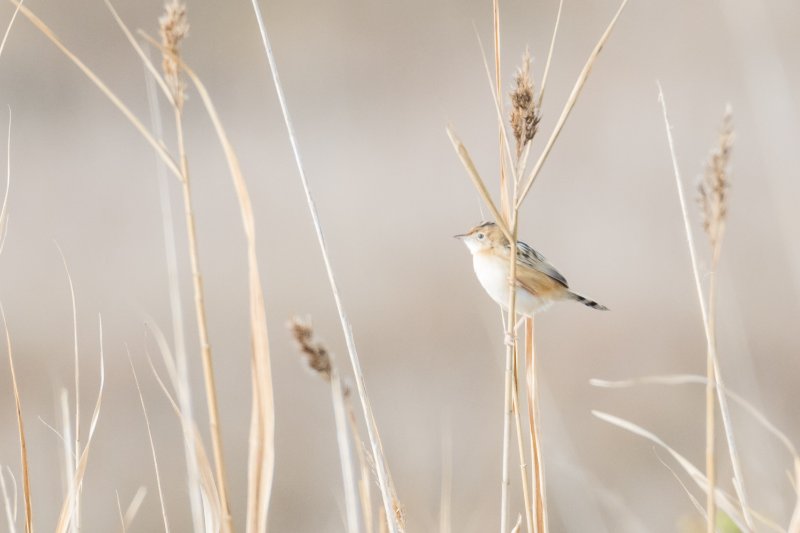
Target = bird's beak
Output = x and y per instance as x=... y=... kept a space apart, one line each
x=462 y=236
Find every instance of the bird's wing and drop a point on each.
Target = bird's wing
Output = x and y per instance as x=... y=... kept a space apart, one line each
x=529 y=259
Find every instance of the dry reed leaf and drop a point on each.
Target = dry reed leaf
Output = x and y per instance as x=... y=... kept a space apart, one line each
x=143 y=56
x=23 y=446
x=68 y=507
x=156 y=144
x=152 y=444
x=682 y=379
x=697 y=476
x=466 y=160
x=133 y=508
x=546 y=73
x=695 y=503
x=573 y=98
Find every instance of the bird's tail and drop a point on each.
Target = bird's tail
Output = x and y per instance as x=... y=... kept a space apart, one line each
x=587 y=302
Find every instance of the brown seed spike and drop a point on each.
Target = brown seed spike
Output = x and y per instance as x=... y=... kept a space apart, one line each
x=316 y=354
x=174 y=27
x=524 y=114
x=712 y=189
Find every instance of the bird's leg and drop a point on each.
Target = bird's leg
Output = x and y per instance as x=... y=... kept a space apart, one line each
x=511 y=339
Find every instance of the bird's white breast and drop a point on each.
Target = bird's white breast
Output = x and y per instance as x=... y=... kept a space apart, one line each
x=492 y=272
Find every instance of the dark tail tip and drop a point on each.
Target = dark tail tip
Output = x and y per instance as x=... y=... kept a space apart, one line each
x=589 y=303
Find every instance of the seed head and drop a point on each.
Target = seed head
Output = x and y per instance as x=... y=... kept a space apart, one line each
x=174 y=27
x=712 y=189
x=317 y=356
x=524 y=114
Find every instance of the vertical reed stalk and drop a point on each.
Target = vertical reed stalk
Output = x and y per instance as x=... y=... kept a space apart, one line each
x=202 y=331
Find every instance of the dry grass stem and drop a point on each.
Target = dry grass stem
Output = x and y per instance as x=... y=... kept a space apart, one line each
x=156 y=144
x=707 y=325
x=173 y=28
x=382 y=470
x=23 y=445
x=183 y=387
x=466 y=160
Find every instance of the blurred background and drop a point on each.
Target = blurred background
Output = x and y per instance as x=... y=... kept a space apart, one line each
x=371 y=86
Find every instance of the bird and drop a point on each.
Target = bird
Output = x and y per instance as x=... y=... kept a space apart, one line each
x=538 y=283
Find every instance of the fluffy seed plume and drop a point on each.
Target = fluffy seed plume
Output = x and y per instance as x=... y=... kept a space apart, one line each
x=524 y=114
x=712 y=189
x=315 y=352
x=174 y=27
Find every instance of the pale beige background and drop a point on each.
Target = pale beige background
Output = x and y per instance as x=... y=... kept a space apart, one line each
x=372 y=86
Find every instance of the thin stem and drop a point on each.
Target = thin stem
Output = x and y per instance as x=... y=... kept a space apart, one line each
x=526 y=497
x=507 y=407
x=711 y=348
x=384 y=480
x=711 y=404
x=202 y=331
x=533 y=421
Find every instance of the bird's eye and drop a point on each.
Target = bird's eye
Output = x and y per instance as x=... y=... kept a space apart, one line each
x=481 y=236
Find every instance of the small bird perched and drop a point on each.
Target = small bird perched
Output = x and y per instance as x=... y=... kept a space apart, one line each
x=539 y=284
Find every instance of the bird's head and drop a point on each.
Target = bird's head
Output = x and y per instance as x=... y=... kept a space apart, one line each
x=483 y=237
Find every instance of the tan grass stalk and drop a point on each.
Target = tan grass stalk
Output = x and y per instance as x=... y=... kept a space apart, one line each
x=573 y=98
x=7 y=505
x=523 y=461
x=320 y=360
x=68 y=507
x=156 y=144
x=713 y=202
x=177 y=90
x=152 y=444
x=384 y=479
x=262 y=471
x=498 y=84
x=23 y=446
x=537 y=471
x=710 y=344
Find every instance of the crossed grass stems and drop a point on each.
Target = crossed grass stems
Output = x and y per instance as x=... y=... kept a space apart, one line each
x=207 y=477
